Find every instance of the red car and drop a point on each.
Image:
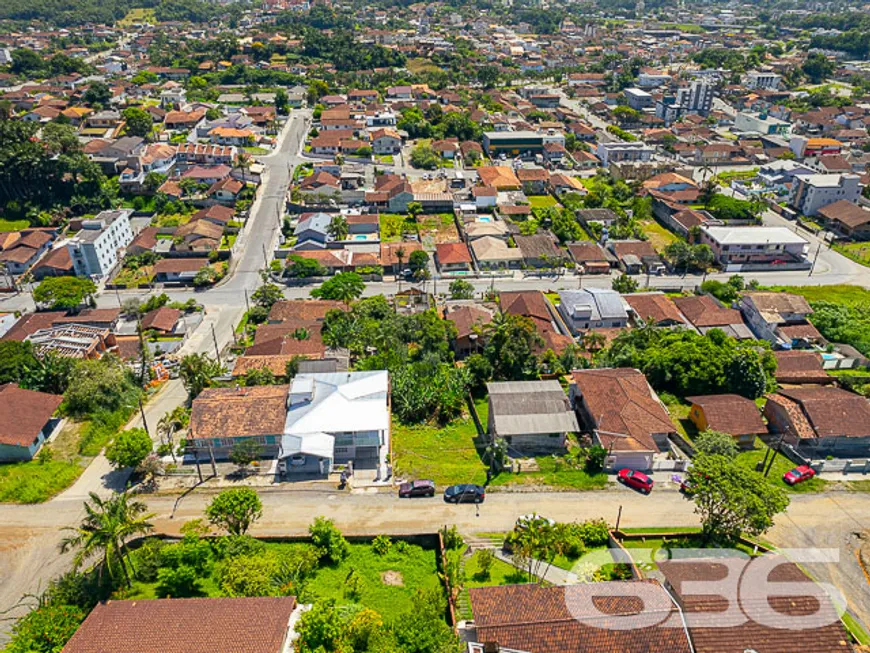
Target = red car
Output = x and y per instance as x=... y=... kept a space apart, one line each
x=637 y=480
x=417 y=489
x=799 y=475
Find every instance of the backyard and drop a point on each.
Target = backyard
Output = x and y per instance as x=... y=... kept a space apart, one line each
x=39 y=480
x=393 y=225
x=658 y=236
x=542 y=201
x=781 y=465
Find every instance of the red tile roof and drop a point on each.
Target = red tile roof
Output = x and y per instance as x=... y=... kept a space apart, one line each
x=730 y=414
x=622 y=403
x=237 y=625
x=23 y=414
x=452 y=253
x=232 y=412
x=579 y=618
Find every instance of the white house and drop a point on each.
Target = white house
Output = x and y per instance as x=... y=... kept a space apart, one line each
x=592 y=308
x=337 y=418
x=746 y=245
x=809 y=193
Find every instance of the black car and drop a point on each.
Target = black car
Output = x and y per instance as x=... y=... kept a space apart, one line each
x=465 y=493
x=417 y=489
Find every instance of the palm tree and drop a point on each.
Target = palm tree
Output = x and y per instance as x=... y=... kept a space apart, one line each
x=107 y=526
x=338 y=227
x=593 y=341
x=243 y=161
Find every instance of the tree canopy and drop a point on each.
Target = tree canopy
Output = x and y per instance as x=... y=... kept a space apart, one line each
x=64 y=293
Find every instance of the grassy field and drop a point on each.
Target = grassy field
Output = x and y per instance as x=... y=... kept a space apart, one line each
x=139 y=15
x=553 y=473
x=419 y=65
x=393 y=225
x=13 y=225
x=501 y=573
x=445 y=455
x=542 y=201
x=256 y=150
x=388 y=585
x=658 y=236
x=36 y=482
x=839 y=294
x=679 y=412
x=781 y=465
x=858 y=252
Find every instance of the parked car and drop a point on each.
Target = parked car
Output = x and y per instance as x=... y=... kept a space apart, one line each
x=417 y=489
x=465 y=493
x=637 y=480
x=799 y=475
x=687 y=487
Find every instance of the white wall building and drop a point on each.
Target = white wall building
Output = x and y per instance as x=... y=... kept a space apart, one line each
x=757 y=80
x=695 y=98
x=97 y=248
x=758 y=245
x=622 y=151
x=809 y=193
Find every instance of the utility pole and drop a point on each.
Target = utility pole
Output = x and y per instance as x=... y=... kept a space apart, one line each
x=144 y=421
x=247 y=302
x=217 y=351
x=815 y=258
x=265 y=257
x=618 y=519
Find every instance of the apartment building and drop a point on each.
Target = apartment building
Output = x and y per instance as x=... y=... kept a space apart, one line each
x=809 y=193
x=620 y=151
x=95 y=249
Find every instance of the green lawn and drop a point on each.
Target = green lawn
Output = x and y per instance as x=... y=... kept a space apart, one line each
x=838 y=294
x=679 y=412
x=392 y=595
x=659 y=548
x=138 y=15
x=858 y=252
x=501 y=573
x=13 y=225
x=445 y=455
x=386 y=159
x=393 y=225
x=256 y=150
x=780 y=466
x=553 y=473
x=856 y=629
x=542 y=201
x=658 y=236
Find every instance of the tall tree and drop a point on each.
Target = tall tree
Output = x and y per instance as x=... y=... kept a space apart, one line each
x=105 y=531
x=343 y=287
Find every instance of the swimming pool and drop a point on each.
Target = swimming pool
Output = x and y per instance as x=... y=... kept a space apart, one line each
x=484 y=219
x=360 y=237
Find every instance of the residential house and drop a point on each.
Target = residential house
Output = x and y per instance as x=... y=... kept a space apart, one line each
x=604 y=217
x=589 y=257
x=576 y=618
x=390 y=255
x=755 y=245
x=485 y=197
x=312 y=231
x=532 y=304
x=656 y=309
x=592 y=308
x=493 y=253
x=531 y=416
x=624 y=415
x=563 y=184
x=704 y=312
x=198 y=236
x=534 y=180
x=847 y=218
x=737 y=416
x=246 y=625
x=25 y=421
x=337 y=418
x=502 y=178
x=635 y=256
x=226 y=190
x=799 y=366
x=470 y=320
x=177 y=270
x=821 y=421
x=805 y=612
x=617 y=152
x=452 y=257
x=23 y=249
x=540 y=250
x=780 y=318
x=386 y=141
x=163 y=321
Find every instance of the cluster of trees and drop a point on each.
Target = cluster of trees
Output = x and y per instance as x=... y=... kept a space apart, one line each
x=728 y=292
x=854 y=42
x=414 y=348
x=30 y=64
x=46 y=173
x=842 y=323
x=683 y=255
x=434 y=123
x=340 y=49
x=726 y=208
x=684 y=362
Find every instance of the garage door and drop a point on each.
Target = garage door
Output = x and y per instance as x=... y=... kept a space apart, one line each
x=632 y=460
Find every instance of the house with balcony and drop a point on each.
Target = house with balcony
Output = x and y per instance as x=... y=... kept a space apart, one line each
x=734 y=246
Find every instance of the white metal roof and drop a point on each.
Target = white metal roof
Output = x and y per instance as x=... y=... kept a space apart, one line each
x=754 y=235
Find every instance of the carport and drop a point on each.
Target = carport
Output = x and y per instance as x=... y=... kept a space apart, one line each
x=308 y=455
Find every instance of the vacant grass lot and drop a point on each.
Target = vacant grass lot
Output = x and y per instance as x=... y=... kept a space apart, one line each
x=139 y=15
x=858 y=252
x=780 y=466
x=393 y=225
x=839 y=294
x=445 y=455
x=388 y=585
x=542 y=201
x=658 y=236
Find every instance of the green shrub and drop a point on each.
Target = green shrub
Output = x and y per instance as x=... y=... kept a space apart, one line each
x=328 y=540
x=451 y=537
x=45 y=630
x=381 y=545
x=180 y=582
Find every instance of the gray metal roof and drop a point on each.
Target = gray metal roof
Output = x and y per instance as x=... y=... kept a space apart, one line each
x=530 y=407
x=600 y=303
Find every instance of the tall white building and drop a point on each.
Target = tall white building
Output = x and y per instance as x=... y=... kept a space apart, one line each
x=758 y=80
x=695 y=98
x=95 y=250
